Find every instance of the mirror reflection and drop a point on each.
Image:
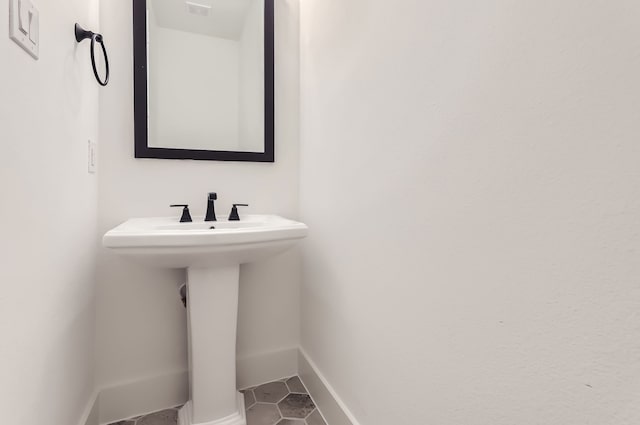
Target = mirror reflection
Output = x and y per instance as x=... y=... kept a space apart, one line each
x=205 y=75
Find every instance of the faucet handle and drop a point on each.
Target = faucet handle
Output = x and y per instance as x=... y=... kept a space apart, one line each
x=234 y=212
x=186 y=216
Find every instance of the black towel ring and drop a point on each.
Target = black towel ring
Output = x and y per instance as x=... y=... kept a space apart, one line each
x=82 y=34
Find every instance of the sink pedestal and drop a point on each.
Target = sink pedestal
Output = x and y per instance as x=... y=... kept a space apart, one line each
x=212 y=315
x=212 y=257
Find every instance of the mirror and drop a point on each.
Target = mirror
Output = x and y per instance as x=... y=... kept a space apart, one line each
x=204 y=79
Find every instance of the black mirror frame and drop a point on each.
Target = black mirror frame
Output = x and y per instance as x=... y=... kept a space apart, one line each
x=142 y=149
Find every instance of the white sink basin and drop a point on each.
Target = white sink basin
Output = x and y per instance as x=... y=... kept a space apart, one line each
x=164 y=242
x=212 y=257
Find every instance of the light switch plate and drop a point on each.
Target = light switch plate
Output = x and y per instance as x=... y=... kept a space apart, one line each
x=28 y=37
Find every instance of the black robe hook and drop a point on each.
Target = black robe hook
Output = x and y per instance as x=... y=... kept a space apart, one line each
x=82 y=34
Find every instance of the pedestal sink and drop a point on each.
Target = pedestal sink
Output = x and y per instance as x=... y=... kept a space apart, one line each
x=212 y=253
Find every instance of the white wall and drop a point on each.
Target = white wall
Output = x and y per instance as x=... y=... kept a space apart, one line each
x=194 y=90
x=48 y=111
x=141 y=328
x=470 y=175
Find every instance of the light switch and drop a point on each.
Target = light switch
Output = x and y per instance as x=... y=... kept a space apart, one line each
x=24 y=9
x=24 y=23
x=34 y=27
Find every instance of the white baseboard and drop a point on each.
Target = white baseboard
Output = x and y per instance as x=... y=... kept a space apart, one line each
x=142 y=396
x=156 y=393
x=264 y=367
x=90 y=414
x=329 y=403
x=159 y=392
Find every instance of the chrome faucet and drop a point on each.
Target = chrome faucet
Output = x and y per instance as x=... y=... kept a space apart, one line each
x=211 y=208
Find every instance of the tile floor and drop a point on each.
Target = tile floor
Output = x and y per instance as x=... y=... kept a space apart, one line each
x=283 y=402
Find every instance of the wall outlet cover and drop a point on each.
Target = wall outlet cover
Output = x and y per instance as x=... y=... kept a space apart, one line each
x=92 y=158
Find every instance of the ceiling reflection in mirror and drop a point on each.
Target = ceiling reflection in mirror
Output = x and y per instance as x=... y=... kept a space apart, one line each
x=205 y=75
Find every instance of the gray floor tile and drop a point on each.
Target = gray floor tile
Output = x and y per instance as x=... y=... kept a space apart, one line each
x=263 y=414
x=315 y=418
x=164 y=417
x=249 y=399
x=295 y=385
x=296 y=406
x=292 y=422
x=272 y=392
